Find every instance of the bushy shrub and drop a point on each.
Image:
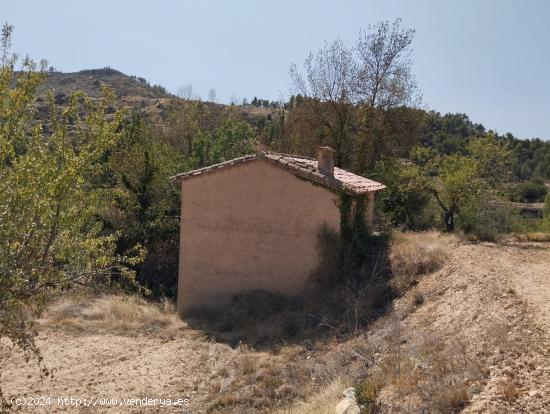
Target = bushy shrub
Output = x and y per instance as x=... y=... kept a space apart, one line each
x=144 y=206
x=404 y=202
x=366 y=394
x=528 y=192
x=484 y=221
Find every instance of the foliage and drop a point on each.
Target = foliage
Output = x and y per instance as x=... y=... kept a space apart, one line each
x=366 y=395
x=531 y=158
x=492 y=158
x=264 y=103
x=405 y=201
x=375 y=74
x=384 y=78
x=455 y=185
x=376 y=71
x=451 y=133
x=457 y=180
x=533 y=191
x=145 y=204
x=484 y=221
x=50 y=236
x=448 y=133
x=231 y=140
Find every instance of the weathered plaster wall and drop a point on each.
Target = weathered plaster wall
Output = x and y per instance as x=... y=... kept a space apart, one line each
x=251 y=226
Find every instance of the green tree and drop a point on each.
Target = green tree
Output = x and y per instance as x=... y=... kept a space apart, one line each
x=405 y=201
x=50 y=234
x=455 y=185
x=232 y=139
x=457 y=180
x=145 y=204
x=492 y=157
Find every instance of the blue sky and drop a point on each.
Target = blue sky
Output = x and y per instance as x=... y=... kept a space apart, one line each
x=487 y=58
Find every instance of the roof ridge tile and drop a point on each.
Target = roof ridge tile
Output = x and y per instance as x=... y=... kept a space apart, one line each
x=342 y=180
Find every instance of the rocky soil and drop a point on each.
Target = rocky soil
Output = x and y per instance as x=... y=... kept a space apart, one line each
x=491 y=303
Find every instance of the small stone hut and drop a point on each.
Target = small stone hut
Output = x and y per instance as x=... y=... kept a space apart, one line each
x=253 y=223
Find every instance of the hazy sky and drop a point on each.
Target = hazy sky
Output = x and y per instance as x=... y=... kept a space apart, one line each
x=487 y=58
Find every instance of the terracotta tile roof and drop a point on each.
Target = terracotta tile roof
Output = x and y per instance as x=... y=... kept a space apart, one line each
x=342 y=180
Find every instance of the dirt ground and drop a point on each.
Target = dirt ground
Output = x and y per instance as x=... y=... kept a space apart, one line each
x=495 y=298
x=115 y=366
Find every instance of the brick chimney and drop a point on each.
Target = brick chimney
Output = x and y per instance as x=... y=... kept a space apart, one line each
x=325 y=161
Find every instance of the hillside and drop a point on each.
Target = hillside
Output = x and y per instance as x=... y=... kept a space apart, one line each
x=471 y=337
x=131 y=92
x=90 y=82
x=134 y=93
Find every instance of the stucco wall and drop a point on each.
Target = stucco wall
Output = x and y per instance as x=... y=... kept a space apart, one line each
x=250 y=226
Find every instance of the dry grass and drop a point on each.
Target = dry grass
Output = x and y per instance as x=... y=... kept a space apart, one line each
x=236 y=379
x=260 y=381
x=414 y=254
x=432 y=375
x=290 y=378
x=538 y=237
x=509 y=390
x=322 y=402
x=119 y=314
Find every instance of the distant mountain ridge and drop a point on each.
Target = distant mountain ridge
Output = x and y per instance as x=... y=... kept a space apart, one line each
x=131 y=92
x=90 y=82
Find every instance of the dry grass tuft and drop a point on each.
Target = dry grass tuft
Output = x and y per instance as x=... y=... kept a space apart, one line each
x=538 y=237
x=509 y=390
x=260 y=381
x=433 y=375
x=415 y=254
x=322 y=402
x=119 y=314
x=249 y=364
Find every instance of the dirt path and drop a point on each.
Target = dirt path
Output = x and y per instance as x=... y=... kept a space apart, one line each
x=530 y=274
x=524 y=266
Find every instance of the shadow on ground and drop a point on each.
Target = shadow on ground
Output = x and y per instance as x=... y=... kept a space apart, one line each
x=339 y=302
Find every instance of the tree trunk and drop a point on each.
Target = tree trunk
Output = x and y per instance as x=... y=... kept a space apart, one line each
x=449 y=218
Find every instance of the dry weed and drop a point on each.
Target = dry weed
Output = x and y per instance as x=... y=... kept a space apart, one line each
x=118 y=314
x=260 y=381
x=431 y=375
x=249 y=364
x=322 y=402
x=537 y=237
x=415 y=254
x=509 y=390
